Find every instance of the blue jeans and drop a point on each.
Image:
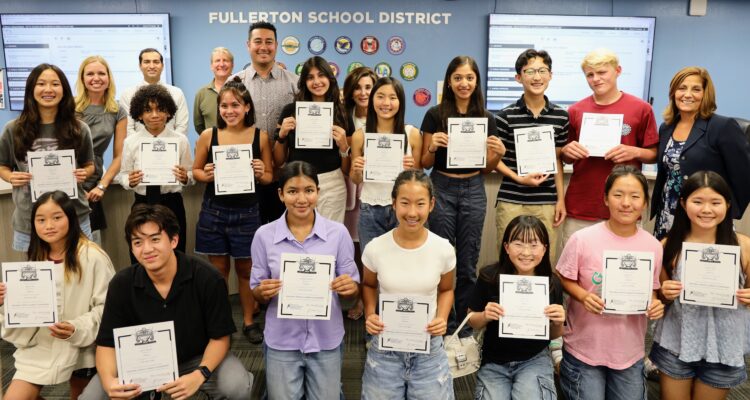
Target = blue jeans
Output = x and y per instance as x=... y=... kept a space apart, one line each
x=580 y=381
x=21 y=241
x=517 y=380
x=292 y=375
x=373 y=222
x=460 y=208
x=391 y=375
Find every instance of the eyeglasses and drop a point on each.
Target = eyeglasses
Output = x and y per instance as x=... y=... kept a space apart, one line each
x=531 y=72
x=518 y=245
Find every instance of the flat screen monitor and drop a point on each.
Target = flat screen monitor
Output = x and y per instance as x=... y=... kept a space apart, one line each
x=66 y=39
x=567 y=39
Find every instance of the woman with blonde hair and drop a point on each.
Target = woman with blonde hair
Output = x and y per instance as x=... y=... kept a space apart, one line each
x=694 y=138
x=97 y=107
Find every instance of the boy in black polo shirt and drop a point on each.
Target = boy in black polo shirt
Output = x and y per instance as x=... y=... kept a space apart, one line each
x=168 y=285
x=540 y=195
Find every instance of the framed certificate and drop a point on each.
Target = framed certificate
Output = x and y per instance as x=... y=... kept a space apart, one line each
x=628 y=281
x=52 y=170
x=600 y=132
x=314 y=125
x=146 y=355
x=405 y=318
x=535 y=150
x=384 y=156
x=233 y=169
x=710 y=274
x=306 y=286
x=467 y=143
x=157 y=159
x=31 y=294
x=524 y=298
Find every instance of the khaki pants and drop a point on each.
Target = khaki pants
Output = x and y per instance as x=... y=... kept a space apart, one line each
x=573 y=225
x=505 y=212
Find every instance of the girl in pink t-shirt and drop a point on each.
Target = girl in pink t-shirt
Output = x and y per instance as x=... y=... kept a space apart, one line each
x=603 y=353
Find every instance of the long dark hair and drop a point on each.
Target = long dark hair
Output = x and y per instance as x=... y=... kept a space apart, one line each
x=372 y=116
x=39 y=249
x=67 y=127
x=525 y=228
x=447 y=107
x=681 y=226
x=333 y=94
x=240 y=92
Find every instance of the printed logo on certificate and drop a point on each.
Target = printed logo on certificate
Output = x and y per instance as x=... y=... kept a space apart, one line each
x=31 y=294
x=384 y=156
x=467 y=143
x=628 y=281
x=314 y=125
x=535 y=150
x=524 y=298
x=158 y=158
x=233 y=169
x=405 y=318
x=306 y=286
x=52 y=170
x=600 y=132
x=710 y=275
x=146 y=354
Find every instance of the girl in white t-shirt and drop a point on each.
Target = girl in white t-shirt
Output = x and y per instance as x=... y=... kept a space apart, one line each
x=409 y=260
x=603 y=353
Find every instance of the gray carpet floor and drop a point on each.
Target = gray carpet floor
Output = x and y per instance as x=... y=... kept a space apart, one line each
x=354 y=359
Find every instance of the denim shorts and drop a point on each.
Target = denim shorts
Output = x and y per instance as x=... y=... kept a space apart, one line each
x=581 y=381
x=528 y=379
x=226 y=230
x=397 y=375
x=712 y=374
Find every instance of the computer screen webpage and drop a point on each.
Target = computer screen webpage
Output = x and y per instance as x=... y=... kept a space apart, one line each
x=66 y=39
x=567 y=39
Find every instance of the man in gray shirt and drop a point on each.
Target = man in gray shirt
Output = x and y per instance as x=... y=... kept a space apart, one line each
x=271 y=88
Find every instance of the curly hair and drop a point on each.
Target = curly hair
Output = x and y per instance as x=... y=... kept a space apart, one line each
x=154 y=93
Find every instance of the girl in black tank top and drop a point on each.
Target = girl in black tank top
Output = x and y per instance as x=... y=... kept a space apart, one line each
x=227 y=223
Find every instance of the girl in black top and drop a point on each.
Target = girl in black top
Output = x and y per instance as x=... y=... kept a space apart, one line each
x=461 y=203
x=318 y=83
x=227 y=223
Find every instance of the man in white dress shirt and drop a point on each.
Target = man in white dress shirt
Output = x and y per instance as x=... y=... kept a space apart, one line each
x=151 y=63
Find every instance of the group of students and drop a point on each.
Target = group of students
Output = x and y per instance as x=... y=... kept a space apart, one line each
x=699 y=350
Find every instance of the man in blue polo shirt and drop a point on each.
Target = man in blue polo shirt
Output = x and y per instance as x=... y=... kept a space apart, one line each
x=168 y=285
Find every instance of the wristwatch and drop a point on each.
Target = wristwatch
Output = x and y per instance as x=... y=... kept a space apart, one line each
x=345 y=153
x=101 y=187
x=278 y=138
x=205 y=371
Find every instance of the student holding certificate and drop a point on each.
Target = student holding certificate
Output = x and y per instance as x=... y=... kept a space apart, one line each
x=603 y=353
x=699 y=349
x=460 y=200
x=153 y=106
x=411 y=262
x=386 y=112
x=227 y=223
x=317 y=83
x=516 y=368
x=533 y=183
x=637 y=144
x=303 y=356
x=63 y=351
x=47 y=123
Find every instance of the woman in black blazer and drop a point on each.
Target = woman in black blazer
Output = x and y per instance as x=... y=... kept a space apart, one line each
x=694 y=138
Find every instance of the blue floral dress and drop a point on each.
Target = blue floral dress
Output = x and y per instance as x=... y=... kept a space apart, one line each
x=671 y=193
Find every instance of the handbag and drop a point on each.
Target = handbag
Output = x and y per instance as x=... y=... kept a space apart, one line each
x=464 y=354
